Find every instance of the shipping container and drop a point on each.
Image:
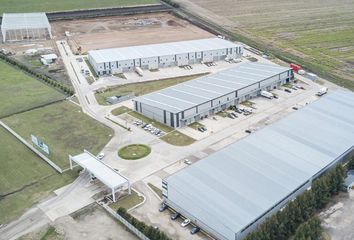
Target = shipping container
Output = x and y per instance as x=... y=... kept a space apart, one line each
x=295 y=67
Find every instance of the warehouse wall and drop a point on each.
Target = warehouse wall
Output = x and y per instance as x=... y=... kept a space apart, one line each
x=165 y=61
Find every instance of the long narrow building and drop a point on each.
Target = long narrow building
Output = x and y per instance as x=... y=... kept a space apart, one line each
x=154 y=56
x=229 y=193
x=188 y=102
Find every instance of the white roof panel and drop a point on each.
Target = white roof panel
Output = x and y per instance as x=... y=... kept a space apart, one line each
x=231 y=188
x=104 y=173
x=24 y=21
x=162 y=49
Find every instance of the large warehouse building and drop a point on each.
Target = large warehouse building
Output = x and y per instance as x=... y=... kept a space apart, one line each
x=25 y=26
x=154 y=56
x=232 y=191
x=185 y=103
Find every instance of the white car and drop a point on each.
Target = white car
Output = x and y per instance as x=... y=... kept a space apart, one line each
x=100 y=156
x=187 y=161
x=185 y=222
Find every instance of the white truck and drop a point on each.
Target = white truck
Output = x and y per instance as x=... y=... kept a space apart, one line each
x=322 y=91
x=267 y=94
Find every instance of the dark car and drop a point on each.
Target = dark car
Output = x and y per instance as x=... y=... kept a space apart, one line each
x=275 y=96
x=234 y=114
x=204 y=129
x=195 y=230
x=287 y=90
x=248 y=131
x=163 y=207
x=295 y=108
x=238 y=110
x=175 y=216
x=200 y=129
x=231 y=116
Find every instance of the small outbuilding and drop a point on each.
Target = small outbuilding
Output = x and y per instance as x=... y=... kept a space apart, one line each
x=48 y=58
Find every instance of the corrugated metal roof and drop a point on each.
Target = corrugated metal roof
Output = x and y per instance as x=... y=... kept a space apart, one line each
x=162 y=49
x=189 y=94
x=231 y=188
x=24 y=21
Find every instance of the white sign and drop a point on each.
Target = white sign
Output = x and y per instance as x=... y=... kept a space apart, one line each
x=39 y=143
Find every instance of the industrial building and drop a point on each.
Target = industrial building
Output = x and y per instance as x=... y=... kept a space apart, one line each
x=188 y=102
x=25 y=26
x=154 y=56
x=229 y=193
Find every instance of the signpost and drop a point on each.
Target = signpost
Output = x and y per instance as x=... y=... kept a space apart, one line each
x=39 y=143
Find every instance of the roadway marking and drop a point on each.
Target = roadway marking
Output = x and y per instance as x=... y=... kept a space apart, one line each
x=87 y=100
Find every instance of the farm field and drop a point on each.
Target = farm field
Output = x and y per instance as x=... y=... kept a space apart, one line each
x=122 y=31
x=316 y=34
x=64 y=128
x=54 y=6
x=20 y=92
x=142 y=87
x=24 y=178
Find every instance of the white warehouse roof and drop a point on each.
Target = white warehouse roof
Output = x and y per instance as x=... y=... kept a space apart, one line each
x=24 y=21
x=192 y=93
x=231 y=188
x=162 y=49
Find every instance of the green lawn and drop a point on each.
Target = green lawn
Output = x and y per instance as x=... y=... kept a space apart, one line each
x=120 y=110
x=195 y=125
x=157 y=190
x=128 y=201
x=24 y=178
x=64 y=128
x=53 y=5
x=19 y=92
x=178 y=139
x=156 y=124
x=142 y=88
x=134 y=151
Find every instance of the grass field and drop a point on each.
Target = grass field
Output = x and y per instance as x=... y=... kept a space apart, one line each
x=19 y=92
x=316 y=34
x=127 y=201
x=120 y=110
x=178 y=139
x=64 y=128
x=134 y=151
x=142 y=88
x=24 y=177
x=53 y=6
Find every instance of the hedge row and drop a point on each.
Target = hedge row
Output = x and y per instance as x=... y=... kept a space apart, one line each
x=51 y=82
x=149 y=231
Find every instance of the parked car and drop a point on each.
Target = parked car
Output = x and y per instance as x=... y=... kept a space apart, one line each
x=187 y=161
x=195 y=230
x=100 y=156
x=234 y=114
x=238 y=110
x=175 y=216
x=275 y=96
x=200 y=129
x=295 y=108
x=204 y=129
x=231 y=116
x=287 y=90
x=185 y=222
x=248 y=131
x=246 y=113
x=163 y=207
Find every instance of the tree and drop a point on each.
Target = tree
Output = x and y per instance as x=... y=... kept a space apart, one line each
x=310 y=230
x=350 y=165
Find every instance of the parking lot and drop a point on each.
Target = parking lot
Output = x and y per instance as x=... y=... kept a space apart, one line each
x=261 y=108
